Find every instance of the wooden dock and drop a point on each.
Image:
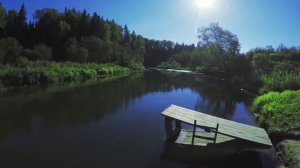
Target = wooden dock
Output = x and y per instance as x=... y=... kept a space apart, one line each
x=219 y=130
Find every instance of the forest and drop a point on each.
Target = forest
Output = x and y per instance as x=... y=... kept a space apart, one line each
x=77 y=37
x=71 y=36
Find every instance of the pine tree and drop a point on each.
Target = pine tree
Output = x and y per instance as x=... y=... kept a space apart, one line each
x=126 y=35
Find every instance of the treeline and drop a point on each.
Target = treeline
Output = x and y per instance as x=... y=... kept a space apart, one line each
x=78 y=37
x=218 y=54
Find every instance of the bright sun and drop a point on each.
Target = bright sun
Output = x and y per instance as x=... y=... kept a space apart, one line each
x=205 y=4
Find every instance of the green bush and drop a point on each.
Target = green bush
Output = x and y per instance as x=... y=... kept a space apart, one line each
x=278 y=111
x=10 y=50
x=42 y=52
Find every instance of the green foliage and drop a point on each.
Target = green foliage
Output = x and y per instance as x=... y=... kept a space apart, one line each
x=280 y=81
x=72 y=36
x=278 y=111
x=2 y=19
x=22 y=61
x=216 y=35
x=170 y=65
x=211 y=59
x=184 y=58
x=291 y=154
x=75 y=52
x=275 y=68
x=10 y=50
x=42 y=52
x=50 y=72
x=98 y=50
x=199 y=69
x=262 y=63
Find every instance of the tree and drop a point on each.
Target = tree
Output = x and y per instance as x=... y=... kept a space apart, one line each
x=97 y=26
x=11 y=23
x=107 y=32
x=22 y=25
x=116 y=31
x=133 y=40
x=84 y=24
x=72 y=17
x=140 y=48
x=126 y=35
x=184 y=58
x=2 y=20
x=216 y=35
x=99 y=50
x=75 y=52
x=221 y=48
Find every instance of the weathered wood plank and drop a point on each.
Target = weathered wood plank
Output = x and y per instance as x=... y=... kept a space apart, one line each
x=226 y=127
x=185 y=137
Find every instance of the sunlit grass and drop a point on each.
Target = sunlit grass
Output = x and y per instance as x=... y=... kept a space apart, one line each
x=278 y=111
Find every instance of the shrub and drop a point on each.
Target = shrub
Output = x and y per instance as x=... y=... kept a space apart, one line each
x=170 y=65
x=29 y=54
x=42 y=52
x=22 y=61
x=278 y=111
x=10 y=50
x=200 y=69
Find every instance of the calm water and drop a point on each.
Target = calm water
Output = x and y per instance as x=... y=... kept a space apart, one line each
x=114 y=124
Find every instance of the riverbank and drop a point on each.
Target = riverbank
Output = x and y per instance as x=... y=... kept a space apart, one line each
x=279 y=114
x=289 y=153
x=36 y=73
x=173 y=70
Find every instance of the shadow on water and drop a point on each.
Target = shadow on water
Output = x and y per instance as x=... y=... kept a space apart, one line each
x=116 y=123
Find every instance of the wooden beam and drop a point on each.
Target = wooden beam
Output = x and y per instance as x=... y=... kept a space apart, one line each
x=216 y=133
x=194 y=131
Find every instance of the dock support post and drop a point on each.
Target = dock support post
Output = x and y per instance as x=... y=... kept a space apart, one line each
x=172 y=128
x=194 y=131
x=215 y=139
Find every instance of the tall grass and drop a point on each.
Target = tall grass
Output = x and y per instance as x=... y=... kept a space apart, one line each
x=278 y=111
x=51 y=72
x=280 y=81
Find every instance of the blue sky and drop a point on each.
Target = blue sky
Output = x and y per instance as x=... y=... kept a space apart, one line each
x=255 y=22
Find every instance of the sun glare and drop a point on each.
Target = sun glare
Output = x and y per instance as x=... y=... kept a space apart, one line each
x=205 y=4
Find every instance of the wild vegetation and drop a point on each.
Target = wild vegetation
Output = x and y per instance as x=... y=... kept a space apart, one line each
x=278 y=111
x=36 y=73
x=278 y=108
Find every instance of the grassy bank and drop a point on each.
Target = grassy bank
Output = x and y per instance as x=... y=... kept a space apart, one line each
x=50 y=72
x=278 y=111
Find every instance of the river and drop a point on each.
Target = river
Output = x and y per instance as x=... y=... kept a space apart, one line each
x=114 y=123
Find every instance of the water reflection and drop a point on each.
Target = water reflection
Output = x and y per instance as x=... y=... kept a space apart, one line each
x=116 y=123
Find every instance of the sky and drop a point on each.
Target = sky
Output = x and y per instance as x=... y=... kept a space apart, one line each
x=257 y=23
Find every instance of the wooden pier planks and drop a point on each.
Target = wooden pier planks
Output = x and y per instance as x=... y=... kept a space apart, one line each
x=185 y=137
x=226 y=127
